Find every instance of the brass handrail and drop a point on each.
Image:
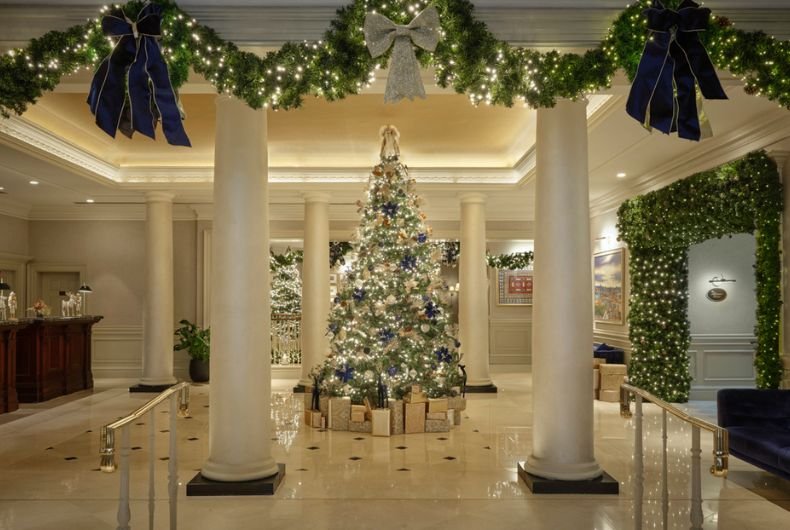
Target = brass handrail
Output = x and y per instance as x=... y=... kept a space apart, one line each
x=721 y=439
x=107 y=446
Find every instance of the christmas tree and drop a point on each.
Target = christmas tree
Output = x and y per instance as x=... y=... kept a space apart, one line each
x=286 y=283
x=389 y=326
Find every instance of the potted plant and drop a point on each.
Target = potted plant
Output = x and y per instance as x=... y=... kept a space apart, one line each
x=196 y=341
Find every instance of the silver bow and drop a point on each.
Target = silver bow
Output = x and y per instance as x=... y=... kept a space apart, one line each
x=380 y=33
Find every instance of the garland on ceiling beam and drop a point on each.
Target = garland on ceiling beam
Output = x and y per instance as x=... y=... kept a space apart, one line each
x=741 y=197
x=468 y=58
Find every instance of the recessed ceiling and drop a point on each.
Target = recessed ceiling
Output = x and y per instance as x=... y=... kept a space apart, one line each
x=443 y=131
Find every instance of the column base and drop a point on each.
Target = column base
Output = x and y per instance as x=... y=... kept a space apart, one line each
x=482 y=389
x=200 y=486
x=149 y=389
x=603 y=485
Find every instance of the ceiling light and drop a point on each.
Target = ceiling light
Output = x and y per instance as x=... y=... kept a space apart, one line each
x=2 y=188
x=89 y=201
x=621 y=175
x=34 y=182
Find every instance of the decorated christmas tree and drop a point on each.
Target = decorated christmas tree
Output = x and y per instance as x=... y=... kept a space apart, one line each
x=286 y=283
x=389 y=327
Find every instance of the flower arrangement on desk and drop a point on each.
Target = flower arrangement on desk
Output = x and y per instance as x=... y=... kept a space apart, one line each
x=41 y=308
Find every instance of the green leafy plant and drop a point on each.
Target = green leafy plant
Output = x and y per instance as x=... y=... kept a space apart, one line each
x=194 y=339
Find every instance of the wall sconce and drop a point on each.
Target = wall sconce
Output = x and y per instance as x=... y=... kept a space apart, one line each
x=717 y=280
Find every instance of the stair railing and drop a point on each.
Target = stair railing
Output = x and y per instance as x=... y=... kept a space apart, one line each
x=178 y=397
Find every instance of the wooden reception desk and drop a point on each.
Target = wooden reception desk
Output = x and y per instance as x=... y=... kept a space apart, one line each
x=8 y=396
x=53 y=357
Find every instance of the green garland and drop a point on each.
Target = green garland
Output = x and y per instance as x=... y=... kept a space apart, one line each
x=659 y=227
x=469 y=58
x=511 y=262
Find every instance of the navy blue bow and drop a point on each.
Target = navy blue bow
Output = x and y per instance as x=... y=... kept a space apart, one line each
x=345 y=374
x=673 y=65
x=136 y=53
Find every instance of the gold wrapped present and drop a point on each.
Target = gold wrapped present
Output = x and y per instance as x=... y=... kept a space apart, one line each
x=438 y=405
x=381 y=422
x=415 y=418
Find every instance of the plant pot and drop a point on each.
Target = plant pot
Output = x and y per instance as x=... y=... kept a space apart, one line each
x=198 y=370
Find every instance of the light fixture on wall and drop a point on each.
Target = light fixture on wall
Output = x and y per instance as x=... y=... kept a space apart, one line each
x=85 y=290
x=717 y=280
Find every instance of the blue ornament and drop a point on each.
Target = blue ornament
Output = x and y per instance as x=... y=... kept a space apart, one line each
x=359 y=295
x=337 y=299
x=390 y=209
x=334 y=327
x=392 y=370
x=443 y=355
x=386 y=335
x=422 y=238
x=346 y=374
x=457 y=343
x=432 y=311
x=408 y=262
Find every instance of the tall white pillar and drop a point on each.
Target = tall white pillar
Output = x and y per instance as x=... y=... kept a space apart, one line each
x=315 y=283
x=158 y=307
x=473 y=295
x=783 y=161
x=562 y=318
x=239 y=422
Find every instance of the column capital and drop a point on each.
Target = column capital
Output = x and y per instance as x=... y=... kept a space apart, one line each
x=159 y=196
x=316 y=196
x=472 y=198
x=781 y=157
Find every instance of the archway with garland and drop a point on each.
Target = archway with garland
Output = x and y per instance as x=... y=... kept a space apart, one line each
x=741 y=197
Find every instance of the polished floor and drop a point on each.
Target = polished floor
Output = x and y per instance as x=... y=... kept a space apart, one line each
x=49 y=477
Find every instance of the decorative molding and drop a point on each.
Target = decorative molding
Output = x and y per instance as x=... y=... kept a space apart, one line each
x=104 y=212
x=766 y=130
x=14 y=209
x=38 y=141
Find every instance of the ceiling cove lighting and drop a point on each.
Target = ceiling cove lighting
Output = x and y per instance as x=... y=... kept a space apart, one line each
x=89 y=201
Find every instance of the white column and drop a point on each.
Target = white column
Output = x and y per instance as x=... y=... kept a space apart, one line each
x=782 y=159
x=239 y=423
x=562 y=321
x=473 y=295
x=315 y=283
x=158 y=308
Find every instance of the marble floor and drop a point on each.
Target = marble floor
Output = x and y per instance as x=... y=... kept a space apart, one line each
x=49 y=476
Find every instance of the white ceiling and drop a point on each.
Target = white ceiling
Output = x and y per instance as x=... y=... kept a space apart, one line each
x=443 y=137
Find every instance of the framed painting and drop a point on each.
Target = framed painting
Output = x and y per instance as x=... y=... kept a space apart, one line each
x=514 y=287
x=608 y=300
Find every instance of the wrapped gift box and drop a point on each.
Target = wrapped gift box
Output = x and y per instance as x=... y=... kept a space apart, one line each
x=365 y=426
x=339 y=413
x=415 y=418
x=396 y=417
x=610 y=369
x=315 y=419
x=324 y=405
x=451 y=417
x=611 y=381
x=441 y=425
x=381 y=422
x=436 y=415
x=438 y=404
x=611 y=396
x=358 y=413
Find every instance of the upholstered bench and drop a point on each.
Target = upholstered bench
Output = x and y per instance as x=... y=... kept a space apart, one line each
x=758 y=423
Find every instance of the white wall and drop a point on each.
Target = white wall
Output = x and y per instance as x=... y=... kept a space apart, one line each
x=113 y=256
x=721 y=352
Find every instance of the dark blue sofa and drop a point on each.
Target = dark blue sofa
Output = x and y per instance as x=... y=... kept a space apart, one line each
x=758 y=423
x=611 y=354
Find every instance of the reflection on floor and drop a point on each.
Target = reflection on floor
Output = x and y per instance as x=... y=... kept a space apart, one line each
x=49 y=476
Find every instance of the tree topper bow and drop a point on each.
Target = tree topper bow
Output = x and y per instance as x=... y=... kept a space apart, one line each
x=380 y=33
x=136 y=67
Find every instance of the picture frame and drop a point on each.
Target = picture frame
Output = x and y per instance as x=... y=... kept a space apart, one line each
x=608 y=286
x=515 y=287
